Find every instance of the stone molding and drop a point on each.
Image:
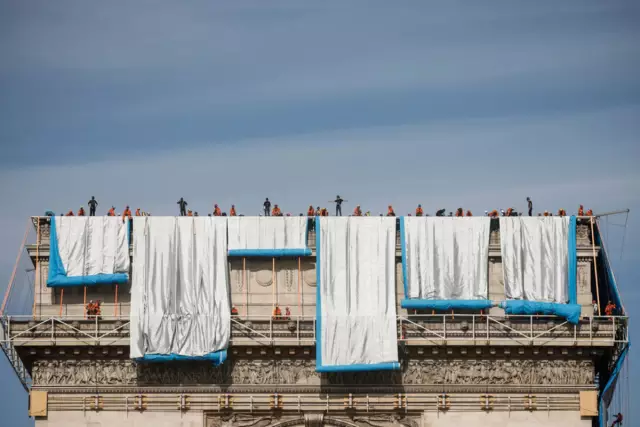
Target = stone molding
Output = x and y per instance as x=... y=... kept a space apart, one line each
x=310 y=420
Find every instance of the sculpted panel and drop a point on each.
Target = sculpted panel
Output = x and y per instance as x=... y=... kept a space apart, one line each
x=265 y=372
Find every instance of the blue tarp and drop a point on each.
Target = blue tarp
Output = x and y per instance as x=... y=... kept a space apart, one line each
x=216 y=358
x=269 y=252
x=359 y=367
x=607 y=392
x=444 y=305
x=58 y=276
x=571 y=312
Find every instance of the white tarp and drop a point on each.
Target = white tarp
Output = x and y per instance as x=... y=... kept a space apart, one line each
x=179 y=290
x=357 y=290
x=266 y=233
x=535 y=258
x=447 y=258
x=92 y=245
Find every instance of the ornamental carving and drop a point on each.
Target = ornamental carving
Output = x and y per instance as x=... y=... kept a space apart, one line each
x=309 y=274
x=583 y=234
x=310 y=420
x=301 y=372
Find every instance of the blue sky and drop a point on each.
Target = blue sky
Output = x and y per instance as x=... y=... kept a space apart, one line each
x=446 y=104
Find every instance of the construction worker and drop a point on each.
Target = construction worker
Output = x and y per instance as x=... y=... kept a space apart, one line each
x=81 y=211
x=530 y=206
x=189 y=213
x=589 y=212
x=494 y=213
x=232 y=211
x=469 y=213
x=183 y=206
x=276 y=211
x=459 y=212
x=510 y=212
x=368 y=213
x=357 y=211
x=324 y=212
x=390 y=211
x=440 y=212
x=419 y=211
x=311 y=211
x=234 y=311
x=338 y=201
x=112 y=211
x=318 y=211
x=216 y=210
x=138 y=212
x=267 y=207
x=562 y=212
x=70 y=213
x=126 y=213
x=93 y=203
x=617 y=421
x=581 y=211
x=277 y=313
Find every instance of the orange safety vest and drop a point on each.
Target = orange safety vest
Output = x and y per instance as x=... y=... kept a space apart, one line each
x=275 y=212
x=232 y=211
x=581 y=211
x=469 y=213
x=311 y=211
x=419 y=212
x=357 y=212
x=81 y=212
x=112 y=212
x=217 y=211
x=126 y=213
x=70 y=213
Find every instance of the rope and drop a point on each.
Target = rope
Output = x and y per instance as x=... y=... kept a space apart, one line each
x=624 y=235
x=116 y=302
x=595 y=267
x=61 y=298
x=244 y=285
x=299 y=286
x=15 y=269
x=37 y=273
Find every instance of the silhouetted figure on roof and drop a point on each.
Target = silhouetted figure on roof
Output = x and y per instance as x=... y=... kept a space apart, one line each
x=530 y=206
x=267 y=207
x=440 y=212
x=183 y=206
x=338 y=201
x=93 y=203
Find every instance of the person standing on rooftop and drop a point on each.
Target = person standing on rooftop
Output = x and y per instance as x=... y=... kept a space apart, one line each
x=338 y=201
x=530 y=206
x=93 y=203
x=267 y=207
x=183 y=207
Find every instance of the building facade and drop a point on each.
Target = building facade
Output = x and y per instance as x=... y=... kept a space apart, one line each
x=456 y=368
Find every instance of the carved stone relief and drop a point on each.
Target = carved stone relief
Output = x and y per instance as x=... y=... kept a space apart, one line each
x=583 y=234
x=302 y=372
x=310 y=420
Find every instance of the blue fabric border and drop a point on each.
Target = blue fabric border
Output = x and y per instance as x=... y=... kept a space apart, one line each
x=356 y=367
x=443 y=305
x=269 y=252
x=403 y=250
x=571 y=312
x=573 y=262
x=612 y=379
x=58 y=276
x=216 y=358
x=607 y=266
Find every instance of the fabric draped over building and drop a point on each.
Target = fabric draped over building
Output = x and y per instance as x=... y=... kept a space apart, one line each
x=268 y=236
x=540 y=265
x=180 y=290
x=356 y=304
x=87 y=251
x=445 y=262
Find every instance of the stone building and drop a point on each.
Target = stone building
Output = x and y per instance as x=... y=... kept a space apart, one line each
x=456 y=368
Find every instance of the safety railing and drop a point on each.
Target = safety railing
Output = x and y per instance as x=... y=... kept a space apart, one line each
x=413 y=330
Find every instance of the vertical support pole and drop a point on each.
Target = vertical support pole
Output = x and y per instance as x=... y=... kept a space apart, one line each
x=299 y=287
x=116 y=302
x=61 y=300
x=273 y=284
x=84 y=303
x=595 y=266
x=244 y=286
x=37 y=271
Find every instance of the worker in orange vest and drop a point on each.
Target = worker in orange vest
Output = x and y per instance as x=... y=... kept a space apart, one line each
x=217 y=211
x=277 y=313
x=112 y=211
x=589 y=212
x=318 y=211
x=232 y=211
x=390 y=211
x=357 y=211
x=419 y=211
x=562 y=212
x=276 y=211
x=459 y=212
x=189 y=212
x=138 y=212
x=126 y=213
x=581 y=211
x=311 y=211
x=70 y=213
x=469 y=213
x=81 y=211
x=494 y=213
x=510 y=212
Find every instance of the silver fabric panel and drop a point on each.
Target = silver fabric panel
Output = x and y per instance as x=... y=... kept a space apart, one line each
x=357 y=288
x=180 y=290
x=259 y=232
x=535 y=258
x=93 y=245
x=447 y=258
